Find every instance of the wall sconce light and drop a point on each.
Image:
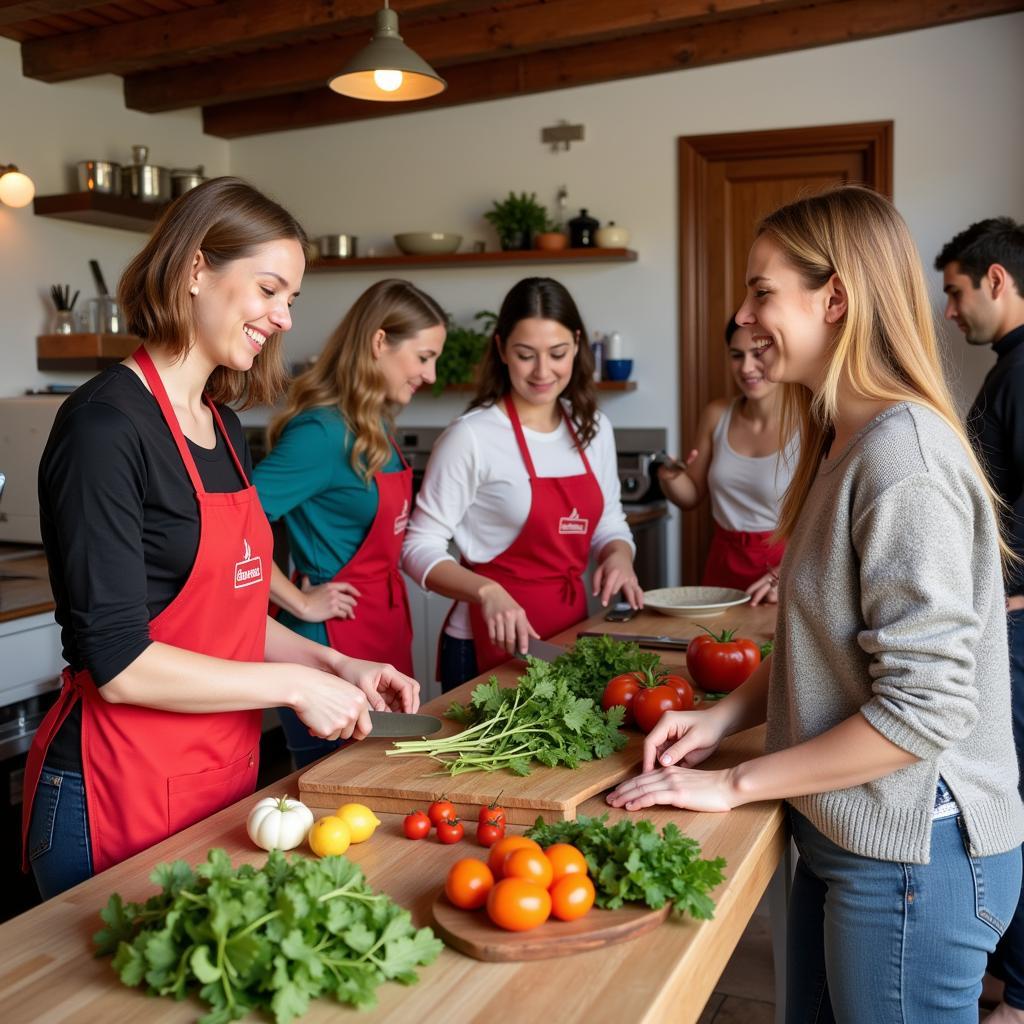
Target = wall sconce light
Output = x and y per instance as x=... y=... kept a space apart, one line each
x=387 y=69
x=16 y=189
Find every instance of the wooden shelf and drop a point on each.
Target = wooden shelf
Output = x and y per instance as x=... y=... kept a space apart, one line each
x=67 y=352
x=99 y=209
x=601 y=385
x=398 y=261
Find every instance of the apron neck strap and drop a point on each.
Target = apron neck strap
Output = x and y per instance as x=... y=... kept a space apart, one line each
x=517 y=427
x=401 y=454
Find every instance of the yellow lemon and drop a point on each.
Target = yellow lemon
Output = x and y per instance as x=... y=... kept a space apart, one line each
x=329 y=836
x=361 y=821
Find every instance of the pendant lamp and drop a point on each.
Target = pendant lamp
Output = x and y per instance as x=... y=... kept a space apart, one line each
x=387 y=69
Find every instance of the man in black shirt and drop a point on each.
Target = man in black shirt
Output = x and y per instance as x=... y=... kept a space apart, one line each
x=983 y=278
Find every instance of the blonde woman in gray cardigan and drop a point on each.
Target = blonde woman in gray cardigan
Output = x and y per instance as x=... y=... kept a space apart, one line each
x=887 y=699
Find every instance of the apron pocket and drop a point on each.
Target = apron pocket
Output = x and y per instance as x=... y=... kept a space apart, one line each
x=190 y=798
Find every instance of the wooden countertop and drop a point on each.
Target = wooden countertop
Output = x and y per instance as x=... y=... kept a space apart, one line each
x=49 y=971
x=24 y=583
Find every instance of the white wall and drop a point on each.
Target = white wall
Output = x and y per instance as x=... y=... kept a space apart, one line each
x=45 y=130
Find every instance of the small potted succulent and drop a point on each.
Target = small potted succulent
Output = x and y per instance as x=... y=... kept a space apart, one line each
x=552 y=238
x=517 y=219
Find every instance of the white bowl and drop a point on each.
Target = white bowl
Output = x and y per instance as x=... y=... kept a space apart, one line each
x=687 y=601
x=427 y=243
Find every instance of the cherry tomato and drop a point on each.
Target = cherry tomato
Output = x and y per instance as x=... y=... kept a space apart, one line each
x=718 y=662
x=441 y=810
x=468 y=883
x=503 y=847
x=489 y=832
x=493 y=812
x=572 y=897
x=565 y=860
x=682 y=687
x=651 y=703
x=529 y=864
x=416 y=825
x=517 y=905
x=621 y=691
x=450 y=831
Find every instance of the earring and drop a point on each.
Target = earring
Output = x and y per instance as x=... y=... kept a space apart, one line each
x=194 y=290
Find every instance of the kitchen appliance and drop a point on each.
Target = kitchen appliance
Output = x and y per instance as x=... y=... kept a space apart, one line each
x=146 y=181
x=99 y=176
x=183 y=179
x=339 y=246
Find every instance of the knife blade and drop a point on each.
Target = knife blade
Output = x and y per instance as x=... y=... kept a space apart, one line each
x=542 y=650
x=387 y=724
x=667 y=643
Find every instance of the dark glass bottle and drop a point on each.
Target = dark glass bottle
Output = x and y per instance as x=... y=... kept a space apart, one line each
x=582 y=230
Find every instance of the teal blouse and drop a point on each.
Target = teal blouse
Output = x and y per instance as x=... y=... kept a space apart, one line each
x=308 y=481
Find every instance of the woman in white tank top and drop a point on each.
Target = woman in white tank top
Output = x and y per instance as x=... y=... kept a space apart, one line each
x=738 y=463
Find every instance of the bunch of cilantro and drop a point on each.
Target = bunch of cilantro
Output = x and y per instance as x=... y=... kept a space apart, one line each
x=592 y=661
x=269 y=938
x=631 y=861
x=540 y=719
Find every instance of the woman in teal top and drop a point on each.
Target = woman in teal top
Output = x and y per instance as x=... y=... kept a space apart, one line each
x=343 y=488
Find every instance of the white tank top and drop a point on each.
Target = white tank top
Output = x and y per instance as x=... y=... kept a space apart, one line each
x=746 y=491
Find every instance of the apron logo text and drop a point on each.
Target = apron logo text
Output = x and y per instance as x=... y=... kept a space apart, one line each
x=573 y=523
x=402 y=519
x=249 y=570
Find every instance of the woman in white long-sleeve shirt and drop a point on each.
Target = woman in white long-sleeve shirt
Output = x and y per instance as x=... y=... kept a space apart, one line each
x=526 y=485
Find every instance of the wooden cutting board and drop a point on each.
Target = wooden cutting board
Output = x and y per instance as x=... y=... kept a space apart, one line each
x=402 y=784
x=471 y=932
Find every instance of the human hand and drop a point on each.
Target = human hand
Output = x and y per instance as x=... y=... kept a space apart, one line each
x=385 y=688
x=670 y=470
x=328 y=601
x=507 y=624
x=329 y=707
x=614 y=573
x=687 y=788
x=765 y=589
x=682 y=737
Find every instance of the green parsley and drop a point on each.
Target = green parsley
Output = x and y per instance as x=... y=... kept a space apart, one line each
x=592 y=661
x=269 y=938
x=631 y=861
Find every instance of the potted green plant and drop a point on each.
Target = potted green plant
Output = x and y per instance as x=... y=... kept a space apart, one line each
x=517 y=219
x=463 y=349
x=551 y=237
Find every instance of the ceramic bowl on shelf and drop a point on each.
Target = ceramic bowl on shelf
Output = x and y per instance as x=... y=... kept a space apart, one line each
x=427 y=243
x=618 y=369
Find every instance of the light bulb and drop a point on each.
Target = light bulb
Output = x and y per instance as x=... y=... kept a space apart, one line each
x=16 y=189
x=388 y=81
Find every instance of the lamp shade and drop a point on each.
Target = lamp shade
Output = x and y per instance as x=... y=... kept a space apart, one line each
x=386 y=69
x=16 y=189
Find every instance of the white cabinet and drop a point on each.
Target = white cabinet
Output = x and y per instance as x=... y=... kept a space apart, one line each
x=30 y=657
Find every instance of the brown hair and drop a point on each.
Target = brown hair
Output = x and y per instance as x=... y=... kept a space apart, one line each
x=225 y=219
x=347 y=376
x=545 y=299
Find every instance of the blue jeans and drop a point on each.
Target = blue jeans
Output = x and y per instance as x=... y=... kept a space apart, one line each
x=883 y=942
x=1007 y=962
x=304 y=748
x=458 y=662
x=58 y=832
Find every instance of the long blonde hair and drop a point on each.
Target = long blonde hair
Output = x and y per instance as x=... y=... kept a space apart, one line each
x=885 y=349
x=347 y=376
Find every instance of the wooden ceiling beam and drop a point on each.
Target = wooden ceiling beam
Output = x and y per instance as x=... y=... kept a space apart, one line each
x=14 y=11
x=200 y=33
x=486 y=35
x=757 y=35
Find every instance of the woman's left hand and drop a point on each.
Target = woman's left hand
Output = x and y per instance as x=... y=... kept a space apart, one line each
x=766 y=589
x=615 y=572
x=691 y=789
x=385 y=687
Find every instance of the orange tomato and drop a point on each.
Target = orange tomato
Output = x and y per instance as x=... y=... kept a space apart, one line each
x=529 y=864
x=517 y=905
x=503 y=847
x=572 y=897
x=565 y=860
x=468 y=883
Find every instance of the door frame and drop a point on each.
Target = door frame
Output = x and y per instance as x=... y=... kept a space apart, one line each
x=697 y=153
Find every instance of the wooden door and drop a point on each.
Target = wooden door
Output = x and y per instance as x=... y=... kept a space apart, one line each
x=726 y=184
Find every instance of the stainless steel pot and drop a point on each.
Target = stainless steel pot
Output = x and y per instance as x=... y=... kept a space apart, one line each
x=99 y=176
x=185 y=178
x=337 y=246
x=145 y=181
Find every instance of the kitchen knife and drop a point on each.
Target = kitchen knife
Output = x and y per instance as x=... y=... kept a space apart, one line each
x=387 y=724
x=667 y=643
x=542 y=650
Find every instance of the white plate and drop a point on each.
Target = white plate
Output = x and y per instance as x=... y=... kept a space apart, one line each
x=683 y=601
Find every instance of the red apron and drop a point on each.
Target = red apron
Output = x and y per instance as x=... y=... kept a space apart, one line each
x=382 y=628
x=150 y=773
x=737 y=559
x=544 y=566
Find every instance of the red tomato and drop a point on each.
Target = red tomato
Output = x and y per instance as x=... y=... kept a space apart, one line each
x=621 y=691
x=718 y=662
x=571 y=897
x=450 y=831
x=441 y=810
x=683 y=688
x=493 y=812
x=416 y=825
x=489 y=832
x=468 y=883
x=517 y=905
x=651 y=703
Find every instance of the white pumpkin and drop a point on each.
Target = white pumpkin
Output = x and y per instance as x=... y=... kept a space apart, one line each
x=279 y=823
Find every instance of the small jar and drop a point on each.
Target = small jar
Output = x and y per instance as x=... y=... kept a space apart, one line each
x=582 y=230
x=104 y=315
x=611 y=236
x=63 y=322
